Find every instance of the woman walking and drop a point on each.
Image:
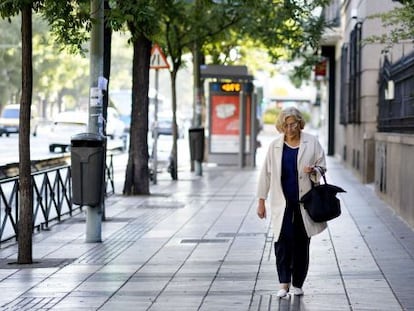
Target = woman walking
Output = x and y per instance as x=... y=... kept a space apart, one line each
x=285 y=177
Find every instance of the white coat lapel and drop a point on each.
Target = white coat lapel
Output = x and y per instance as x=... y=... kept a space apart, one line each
x=302 y=147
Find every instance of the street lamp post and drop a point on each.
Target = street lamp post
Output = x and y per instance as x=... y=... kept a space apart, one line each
x=95 y=124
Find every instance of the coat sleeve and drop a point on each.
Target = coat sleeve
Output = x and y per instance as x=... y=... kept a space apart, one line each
x=265 y=176
x=320 y=161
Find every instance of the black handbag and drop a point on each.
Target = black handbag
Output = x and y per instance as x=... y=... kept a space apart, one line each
x=321 y=202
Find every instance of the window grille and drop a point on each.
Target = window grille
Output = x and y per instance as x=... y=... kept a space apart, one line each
x=350 y=102
x=396 y=113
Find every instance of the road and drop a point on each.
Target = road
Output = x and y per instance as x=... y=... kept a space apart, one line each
x=9 y=147
x=39 y=149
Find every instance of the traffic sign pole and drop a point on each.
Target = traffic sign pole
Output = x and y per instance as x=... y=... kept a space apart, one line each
x=158 y=61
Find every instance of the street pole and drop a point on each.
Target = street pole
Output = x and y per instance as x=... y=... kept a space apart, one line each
x=242 y=127
x=253 y=129
x=158 y=61
x=197 y=104
x=155 y=131
x=95 y=124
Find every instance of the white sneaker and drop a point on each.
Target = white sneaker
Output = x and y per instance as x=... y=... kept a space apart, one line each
x=297 y=291
x=282 y=293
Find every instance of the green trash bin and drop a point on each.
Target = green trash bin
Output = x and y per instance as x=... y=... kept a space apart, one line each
x=87 y=168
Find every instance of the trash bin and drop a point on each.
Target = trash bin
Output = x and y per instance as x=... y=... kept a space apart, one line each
x=196 y=136
x=87 y=161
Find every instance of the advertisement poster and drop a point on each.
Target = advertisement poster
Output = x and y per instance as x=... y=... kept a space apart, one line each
x=224 y=127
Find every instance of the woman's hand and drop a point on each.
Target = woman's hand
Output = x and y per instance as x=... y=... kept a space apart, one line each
x=261 y=209
x=309 y=169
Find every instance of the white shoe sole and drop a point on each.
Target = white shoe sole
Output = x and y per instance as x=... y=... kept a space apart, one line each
x=282 y=293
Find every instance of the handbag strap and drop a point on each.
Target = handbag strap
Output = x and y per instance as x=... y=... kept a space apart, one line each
x=321 y=171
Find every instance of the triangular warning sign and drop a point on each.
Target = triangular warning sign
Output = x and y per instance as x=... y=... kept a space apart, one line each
x=158 y=59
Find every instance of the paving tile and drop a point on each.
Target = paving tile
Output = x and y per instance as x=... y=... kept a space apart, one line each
x=126 y=303
x=81 y=302
x=225 y=301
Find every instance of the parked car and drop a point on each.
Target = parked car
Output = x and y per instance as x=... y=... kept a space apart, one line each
x=69 y=123
x=126 y=118
x=164 y=158
x=115 y=127
x=65 y=125
x=164 y=126
x=9 y=120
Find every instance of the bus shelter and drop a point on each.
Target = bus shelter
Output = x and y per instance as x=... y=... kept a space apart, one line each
x=232 y=119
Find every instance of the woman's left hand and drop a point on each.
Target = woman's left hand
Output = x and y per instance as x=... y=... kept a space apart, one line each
x=309 y=169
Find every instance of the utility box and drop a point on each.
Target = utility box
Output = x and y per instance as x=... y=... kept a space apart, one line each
x=87 y=162
x=196 y=136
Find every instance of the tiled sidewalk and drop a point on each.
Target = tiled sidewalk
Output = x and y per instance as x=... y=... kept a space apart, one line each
x=197 y=244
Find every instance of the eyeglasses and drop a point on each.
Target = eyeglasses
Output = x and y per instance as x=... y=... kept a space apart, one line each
x=291 y=126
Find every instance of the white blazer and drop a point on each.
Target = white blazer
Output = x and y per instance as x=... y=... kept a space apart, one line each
x=310 y=153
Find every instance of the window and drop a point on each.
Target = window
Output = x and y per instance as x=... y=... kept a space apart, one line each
x=343 y=113
x=397 y=114
x=350 y=111
x=354 y=103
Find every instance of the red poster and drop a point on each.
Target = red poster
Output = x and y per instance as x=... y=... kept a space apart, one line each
x=225 y=113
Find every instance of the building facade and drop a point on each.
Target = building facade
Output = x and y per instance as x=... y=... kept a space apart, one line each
x=369 y=107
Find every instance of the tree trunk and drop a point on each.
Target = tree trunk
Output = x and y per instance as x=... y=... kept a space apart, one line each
x=107 y=75
x=137 y=173
x=107 y=59
x=25 y=222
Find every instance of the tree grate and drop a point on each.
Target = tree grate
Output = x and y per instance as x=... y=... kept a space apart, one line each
x=37 y=263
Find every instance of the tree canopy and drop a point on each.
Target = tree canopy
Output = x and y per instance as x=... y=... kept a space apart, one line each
x=56 y=75
x=226 y=31
x=399 y=23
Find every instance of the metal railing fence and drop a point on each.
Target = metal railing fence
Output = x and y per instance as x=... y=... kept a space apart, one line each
x=52 y=198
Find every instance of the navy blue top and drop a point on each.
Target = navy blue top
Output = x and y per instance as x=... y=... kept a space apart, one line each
x=290 y=188
x=290 y=184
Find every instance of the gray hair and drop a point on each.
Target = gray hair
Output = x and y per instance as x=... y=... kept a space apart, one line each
x=286 y=113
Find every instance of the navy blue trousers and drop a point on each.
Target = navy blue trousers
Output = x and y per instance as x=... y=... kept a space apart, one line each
x=292 y=248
